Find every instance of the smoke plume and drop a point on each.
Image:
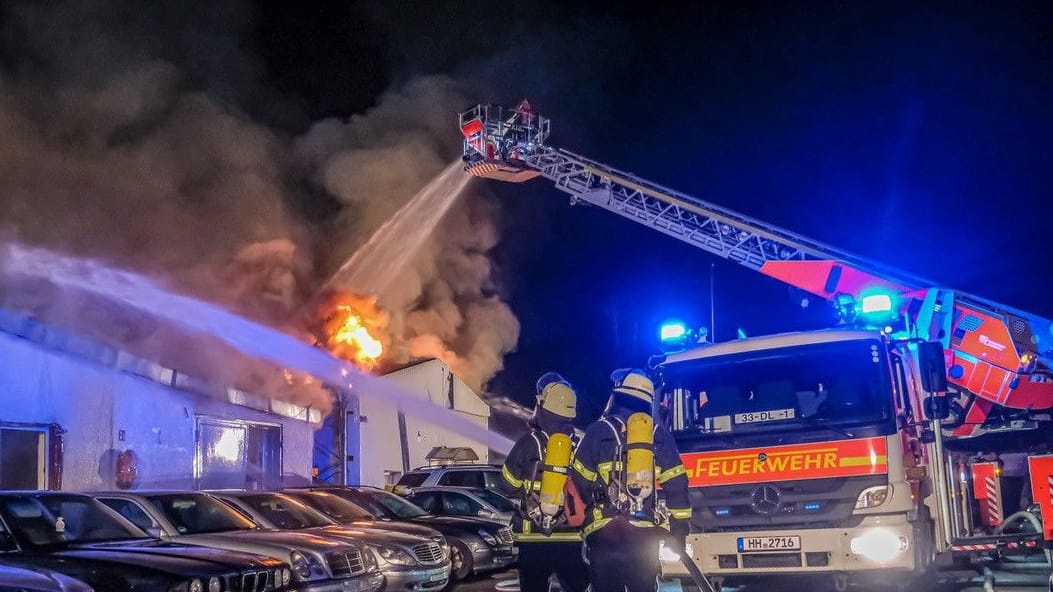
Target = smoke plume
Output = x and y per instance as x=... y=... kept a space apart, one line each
x=132 y=132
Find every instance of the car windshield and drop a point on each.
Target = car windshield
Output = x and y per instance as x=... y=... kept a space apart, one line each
x=286 y=513
x=199 y=514
x=366 y=502
x=498 y=501
x=57 y=520
x=333 y=506
x=791 y=388
x=399 y=506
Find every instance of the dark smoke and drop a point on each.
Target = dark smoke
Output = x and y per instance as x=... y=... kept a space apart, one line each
x=144 y=134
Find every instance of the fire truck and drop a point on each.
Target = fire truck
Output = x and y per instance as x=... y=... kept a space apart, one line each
x=912 y=433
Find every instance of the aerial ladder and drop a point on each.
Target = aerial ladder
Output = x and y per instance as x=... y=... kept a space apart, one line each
x=998 y=359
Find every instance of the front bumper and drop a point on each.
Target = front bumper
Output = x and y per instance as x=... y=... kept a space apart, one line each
x=364 y=583
x=417 y=579
x=493 y=558
x=878 y=543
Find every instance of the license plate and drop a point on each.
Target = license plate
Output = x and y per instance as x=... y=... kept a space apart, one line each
x=437 y=577
x=759 y=416
x=771 y=543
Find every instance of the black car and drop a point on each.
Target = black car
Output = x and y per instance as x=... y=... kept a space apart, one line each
x=477 y=545
x=78 y=536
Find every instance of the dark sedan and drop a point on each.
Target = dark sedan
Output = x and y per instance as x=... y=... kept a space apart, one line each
x=477 y=545
x=23 y=579
x=80 y=537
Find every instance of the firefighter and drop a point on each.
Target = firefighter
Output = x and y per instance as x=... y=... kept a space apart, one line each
x=536 y=473
x=620 y=458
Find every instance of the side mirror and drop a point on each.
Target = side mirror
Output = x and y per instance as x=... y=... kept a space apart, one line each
x=932 y=367
x=936 y=407
x=155 y=532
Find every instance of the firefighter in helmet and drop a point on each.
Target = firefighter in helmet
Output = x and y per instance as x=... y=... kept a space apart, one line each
x=617 y=464
x=536 y=474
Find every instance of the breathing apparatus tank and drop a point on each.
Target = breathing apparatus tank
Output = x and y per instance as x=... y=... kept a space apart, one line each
x=553 y=479
x=639 y=463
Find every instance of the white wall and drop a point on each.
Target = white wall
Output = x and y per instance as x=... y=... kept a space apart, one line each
x=379 y=433
x=93 y=403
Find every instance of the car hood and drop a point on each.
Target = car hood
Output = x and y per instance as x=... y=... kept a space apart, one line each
x=275 y=543
x=371 y=536
x=398 y=526
x=171 y=557
x=38 y=579
x=461 y=523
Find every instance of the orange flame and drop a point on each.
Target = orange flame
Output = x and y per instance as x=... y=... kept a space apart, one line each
x=353 y=327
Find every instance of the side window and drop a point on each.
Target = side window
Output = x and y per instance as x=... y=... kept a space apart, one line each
x=412 y=479
x=460 y=505
x=132 y=511
x=899 y=378
x=491 y=479
x=462 y=479
x=427 y=501
x=7 y=541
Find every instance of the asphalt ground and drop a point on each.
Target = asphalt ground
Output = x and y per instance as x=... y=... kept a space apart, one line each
x=1033 y=578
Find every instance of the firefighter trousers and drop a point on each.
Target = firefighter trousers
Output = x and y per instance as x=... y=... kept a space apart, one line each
x=623 y=557
x=540 y=559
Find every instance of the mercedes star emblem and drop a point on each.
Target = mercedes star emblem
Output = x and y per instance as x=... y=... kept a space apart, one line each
x=765 y=500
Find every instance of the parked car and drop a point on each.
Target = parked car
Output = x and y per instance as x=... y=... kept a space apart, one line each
x=477 y=545
x=409 y=563
x=464 y=501
x=347 y=512
x=465 y=475
x=80 y=537
x=196 y=518
x=23 y=579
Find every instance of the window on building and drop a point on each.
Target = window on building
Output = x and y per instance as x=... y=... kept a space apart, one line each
x=24 y=457
x=238 y=455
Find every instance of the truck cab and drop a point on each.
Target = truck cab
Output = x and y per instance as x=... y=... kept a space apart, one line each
x=802 y=453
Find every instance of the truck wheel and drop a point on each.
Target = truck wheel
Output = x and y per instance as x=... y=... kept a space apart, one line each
x=925 y=575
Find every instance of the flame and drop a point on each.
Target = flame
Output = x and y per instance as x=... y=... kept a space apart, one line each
x=353 y=328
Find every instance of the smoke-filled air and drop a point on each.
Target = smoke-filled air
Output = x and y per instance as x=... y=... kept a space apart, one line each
x=146 y=136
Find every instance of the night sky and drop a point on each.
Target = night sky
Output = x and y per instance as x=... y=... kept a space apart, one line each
x=919 y=136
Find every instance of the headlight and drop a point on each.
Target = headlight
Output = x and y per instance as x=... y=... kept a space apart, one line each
x=316 y=565
x=667 y=554
x=395 y=555
x=300 y=565
x=286 y=576
x=214 y=585
x=878 y=545
x=873 y=497
x=196 y=586
x=488 y=538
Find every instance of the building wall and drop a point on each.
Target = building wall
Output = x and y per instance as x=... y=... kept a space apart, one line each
x=97 y=405
x=380 y=435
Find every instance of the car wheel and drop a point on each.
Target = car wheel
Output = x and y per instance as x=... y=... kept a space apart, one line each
x=460 y=561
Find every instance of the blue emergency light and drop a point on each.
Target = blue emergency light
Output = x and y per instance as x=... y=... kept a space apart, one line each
x=875 y=304
x=672 y=331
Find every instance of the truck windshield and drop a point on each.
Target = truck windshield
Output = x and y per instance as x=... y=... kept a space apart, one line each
x=834 y=385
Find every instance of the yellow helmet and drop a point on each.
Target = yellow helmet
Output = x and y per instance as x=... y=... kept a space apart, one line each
x=556 y=396
x=634 y=383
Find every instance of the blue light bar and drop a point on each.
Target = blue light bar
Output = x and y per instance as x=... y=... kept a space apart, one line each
x=722 y=511
x=672 y=331
x=875 y=303
x=812 y=507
